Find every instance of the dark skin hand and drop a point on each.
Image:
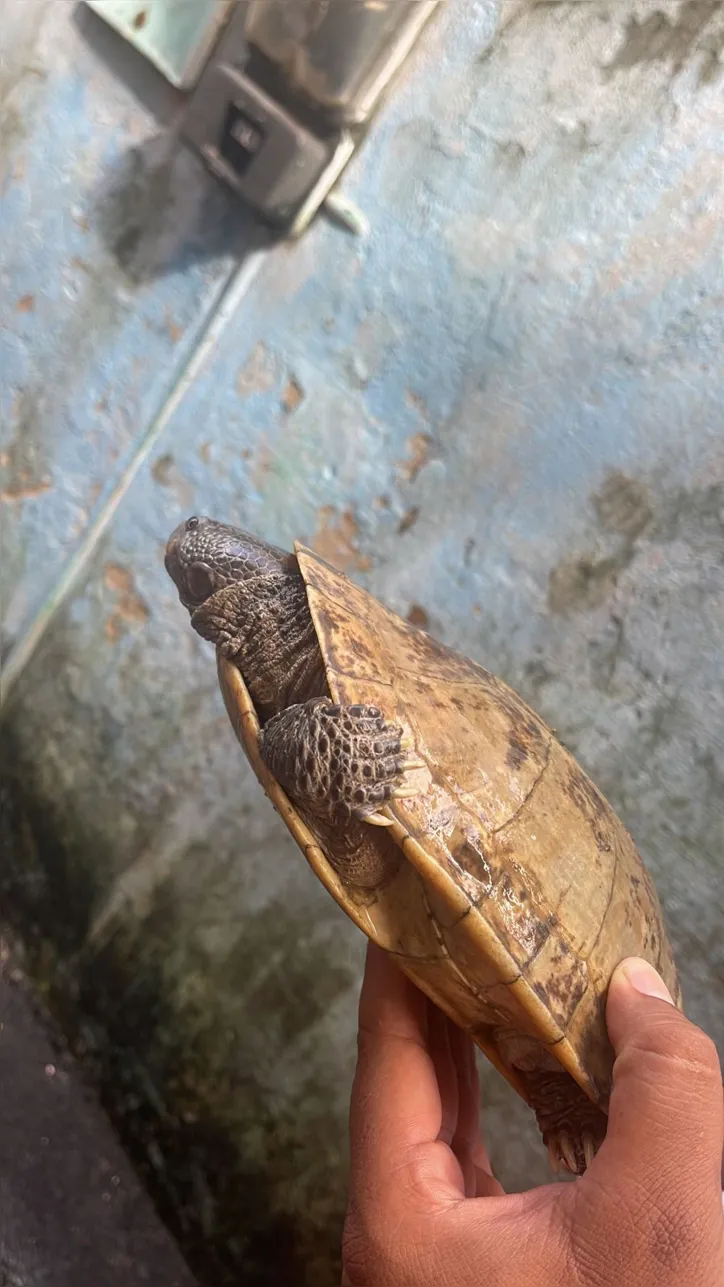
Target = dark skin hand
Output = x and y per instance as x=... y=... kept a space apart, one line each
x=425 y=1210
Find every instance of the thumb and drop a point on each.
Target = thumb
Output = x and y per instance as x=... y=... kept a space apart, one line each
x=666 y=1114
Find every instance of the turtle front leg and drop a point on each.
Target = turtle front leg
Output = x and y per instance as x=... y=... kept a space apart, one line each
x=337 y=762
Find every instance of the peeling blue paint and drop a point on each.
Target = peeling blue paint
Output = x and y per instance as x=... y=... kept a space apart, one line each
x=88 y=352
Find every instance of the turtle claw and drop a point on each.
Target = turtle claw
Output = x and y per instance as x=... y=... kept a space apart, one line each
x=404 y=793
x=554 y=1160
x=413 y=762
x=376 y=819
x=567 y=1154
x=589 y=1149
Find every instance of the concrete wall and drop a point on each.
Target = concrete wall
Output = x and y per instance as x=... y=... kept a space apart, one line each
x=502 y=412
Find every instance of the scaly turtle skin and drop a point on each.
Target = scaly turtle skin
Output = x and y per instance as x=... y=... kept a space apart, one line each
x=439 y=811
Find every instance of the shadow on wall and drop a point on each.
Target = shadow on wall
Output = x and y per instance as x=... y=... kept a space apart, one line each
x=659 y=37
x=160 y=210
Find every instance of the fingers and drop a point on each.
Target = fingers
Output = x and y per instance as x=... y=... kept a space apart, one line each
x=663 y=1149
x=396 y=1110
x=667 y=1097
x=414 y=1138
x=466 y=1134
x=440 y=1048
x=395 y=1098
x=399 y=1167
x=467 y=1142
x=416 y=1097
x=389 y=1005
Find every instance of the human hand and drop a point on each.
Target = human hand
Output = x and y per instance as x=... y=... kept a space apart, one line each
x=425 y=1210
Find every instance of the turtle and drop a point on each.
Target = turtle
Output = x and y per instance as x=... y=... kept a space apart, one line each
x=439 y=810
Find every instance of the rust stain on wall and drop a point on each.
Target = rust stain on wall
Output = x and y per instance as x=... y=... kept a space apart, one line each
x=130 y=608
x=418 y=453
x=22 y=490
x=293 y=395
x=417 y=403
x=258 y=375
x=163 y=470
x=174 y=331
x=25 y=477
x=336 y=539
x=408 y=520
x=166 y=473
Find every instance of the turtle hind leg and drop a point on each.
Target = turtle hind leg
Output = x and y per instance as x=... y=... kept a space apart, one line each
x=337 y=763
x=572 y=1127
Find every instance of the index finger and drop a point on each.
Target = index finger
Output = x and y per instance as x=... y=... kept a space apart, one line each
x=395 y=1101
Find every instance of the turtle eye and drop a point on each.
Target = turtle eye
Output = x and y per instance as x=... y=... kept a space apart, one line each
x=200 y=582
x=192 y=523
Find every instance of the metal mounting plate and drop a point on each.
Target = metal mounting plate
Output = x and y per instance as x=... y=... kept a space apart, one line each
x=177 y=36
x=253 y=144
x=339 y=54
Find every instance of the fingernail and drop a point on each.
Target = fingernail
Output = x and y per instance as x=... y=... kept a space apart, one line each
x=481 y=1159
x=644 y=978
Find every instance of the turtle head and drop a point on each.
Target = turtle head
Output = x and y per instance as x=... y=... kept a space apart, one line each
x=204 y=557
x=249 y=600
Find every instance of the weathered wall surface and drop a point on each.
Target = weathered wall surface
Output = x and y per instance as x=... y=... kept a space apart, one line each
x=503 y=413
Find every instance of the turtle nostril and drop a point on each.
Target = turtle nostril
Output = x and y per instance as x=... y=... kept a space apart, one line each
x=192 y=523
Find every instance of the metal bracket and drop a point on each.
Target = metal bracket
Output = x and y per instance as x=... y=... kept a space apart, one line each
x=177 y=36
x=281 y=106
x=260 y=150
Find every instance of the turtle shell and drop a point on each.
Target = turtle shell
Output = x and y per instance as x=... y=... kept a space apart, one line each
x=521 y=890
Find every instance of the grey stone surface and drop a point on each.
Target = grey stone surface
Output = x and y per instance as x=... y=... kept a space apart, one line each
x=72 y=1213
